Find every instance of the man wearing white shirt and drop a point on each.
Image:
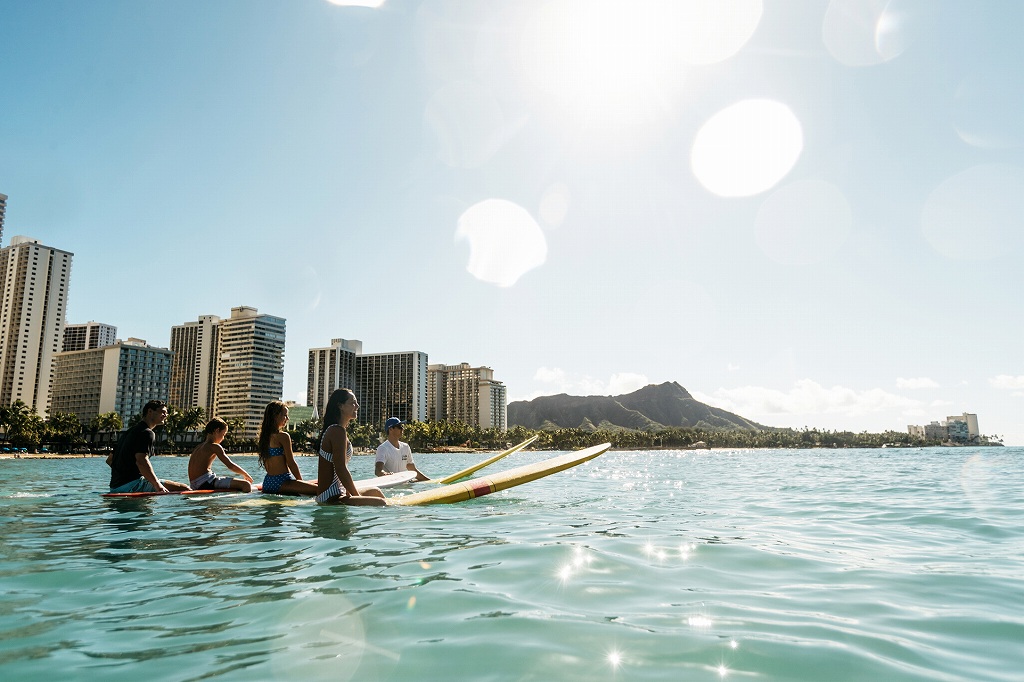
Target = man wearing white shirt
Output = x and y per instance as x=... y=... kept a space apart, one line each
x=394 y=456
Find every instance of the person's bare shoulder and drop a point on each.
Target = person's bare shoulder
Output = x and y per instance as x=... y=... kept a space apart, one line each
x=205 y=451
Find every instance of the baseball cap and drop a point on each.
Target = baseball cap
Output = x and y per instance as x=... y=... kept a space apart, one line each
x=391 y=423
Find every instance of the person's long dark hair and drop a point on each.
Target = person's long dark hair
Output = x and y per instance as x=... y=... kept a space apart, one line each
x=332 y=412
x=269 y=427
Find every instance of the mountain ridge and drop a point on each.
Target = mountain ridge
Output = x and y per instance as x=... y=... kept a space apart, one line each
x=651 y=408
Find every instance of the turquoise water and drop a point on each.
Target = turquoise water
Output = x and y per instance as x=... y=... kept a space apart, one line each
x=736 y=565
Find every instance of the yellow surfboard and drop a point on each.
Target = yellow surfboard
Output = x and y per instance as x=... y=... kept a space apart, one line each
x=485 y=485
x=477 y=467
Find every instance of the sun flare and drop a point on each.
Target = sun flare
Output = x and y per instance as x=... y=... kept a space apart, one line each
x=610 y=64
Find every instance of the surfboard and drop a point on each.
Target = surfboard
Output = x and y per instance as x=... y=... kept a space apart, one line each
x=386 y=481
x=375 y=482
x=171 y=492
x=485 y=485
x=487 y=462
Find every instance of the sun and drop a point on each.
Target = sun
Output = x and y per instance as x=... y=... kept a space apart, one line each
x=609 y=63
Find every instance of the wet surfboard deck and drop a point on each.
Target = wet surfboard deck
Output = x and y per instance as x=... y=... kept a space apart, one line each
x=485 y=485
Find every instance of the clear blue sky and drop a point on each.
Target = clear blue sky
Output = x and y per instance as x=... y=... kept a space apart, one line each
x=808 y=213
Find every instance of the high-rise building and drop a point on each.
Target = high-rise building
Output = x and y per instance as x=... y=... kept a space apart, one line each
x=34 y=290
x=466 y=394
x=3 y=212
x=88 y=335
x=250 y=366
x=969 y=430
x=331 y=368
x=121 y=377
x=194 y=367
x=385 y=384
x=391 y=385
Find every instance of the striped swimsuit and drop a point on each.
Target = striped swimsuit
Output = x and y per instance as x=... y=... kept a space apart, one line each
x=335 y=489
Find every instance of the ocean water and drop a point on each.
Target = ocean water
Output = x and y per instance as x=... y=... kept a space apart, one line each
x=723 y=565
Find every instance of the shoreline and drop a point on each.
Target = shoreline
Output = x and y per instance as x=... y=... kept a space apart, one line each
x=370 y=453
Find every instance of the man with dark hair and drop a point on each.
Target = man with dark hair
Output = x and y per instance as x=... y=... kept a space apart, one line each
x=393 y=455
x=130 y=468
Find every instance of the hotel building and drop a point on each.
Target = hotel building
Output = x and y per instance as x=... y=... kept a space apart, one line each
x=3 y=212
x=966 y=427
x=957 y=429
x=466 y=394
x=121 y=377
x=33 y=294
x=88 y=335
x=391 y=385
x=194 y=367
x=385 y=384
x=330 y=368
x=249 y=367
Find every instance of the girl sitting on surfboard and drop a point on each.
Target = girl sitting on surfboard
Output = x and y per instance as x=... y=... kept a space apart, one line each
x=334 y=482
x=275 y=449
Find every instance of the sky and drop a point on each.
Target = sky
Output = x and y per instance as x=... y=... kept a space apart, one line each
x=806 y=212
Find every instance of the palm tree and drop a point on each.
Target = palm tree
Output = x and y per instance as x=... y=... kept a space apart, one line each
x=108 y=422
x=181 y=420
x=64 y=429
x=304 y=433
x=236 y=427
x=24 y=426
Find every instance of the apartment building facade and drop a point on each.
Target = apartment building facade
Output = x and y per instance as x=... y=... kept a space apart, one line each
x=121 y=377
x=470 y=395
x=34 y=281
x=250 y=366
x=88 y=335
x=329 y=368
x=194 y=367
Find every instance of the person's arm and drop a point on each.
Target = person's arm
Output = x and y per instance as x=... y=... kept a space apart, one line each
x=285 y=441
x=378 y=465
x=420 y=476
x=411 y=466
x=230 y=464
x=146 y=469
x=338 y=455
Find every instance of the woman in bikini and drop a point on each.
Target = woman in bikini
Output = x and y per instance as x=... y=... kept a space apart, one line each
x=335 y=484
x=276 y=457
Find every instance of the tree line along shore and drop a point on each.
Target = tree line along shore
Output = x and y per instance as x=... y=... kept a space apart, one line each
x=25 y=433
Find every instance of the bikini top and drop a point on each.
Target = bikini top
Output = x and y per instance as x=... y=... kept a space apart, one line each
x=275 y=452
x=330 y=456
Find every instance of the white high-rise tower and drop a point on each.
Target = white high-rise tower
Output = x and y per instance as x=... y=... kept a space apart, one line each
x=33 y=295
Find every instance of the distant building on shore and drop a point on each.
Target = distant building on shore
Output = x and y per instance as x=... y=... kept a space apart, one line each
x=194 y=368
x=3 y=212
x=466 y=394
x=121 y=377
x=88 y=335
x=955 y=429
x=385 y=384
x=391 y=385
x=250 y=366
x=330 y=368
x=34 y=290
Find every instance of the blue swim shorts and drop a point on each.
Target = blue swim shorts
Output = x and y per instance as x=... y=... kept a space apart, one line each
x=139 y=485
x=272 y=484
